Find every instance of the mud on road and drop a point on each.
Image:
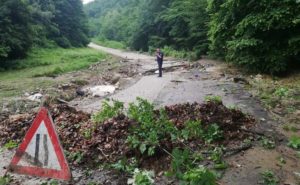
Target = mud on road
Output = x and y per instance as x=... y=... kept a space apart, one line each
x=134 y=76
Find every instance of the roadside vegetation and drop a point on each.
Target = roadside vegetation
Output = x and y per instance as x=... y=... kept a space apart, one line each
x=31 y=73
x=280 y=96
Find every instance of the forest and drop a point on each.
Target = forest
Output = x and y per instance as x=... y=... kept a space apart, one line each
x=262 y=36
x=27 y=24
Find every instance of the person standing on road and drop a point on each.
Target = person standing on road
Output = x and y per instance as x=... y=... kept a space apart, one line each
x=160 y=59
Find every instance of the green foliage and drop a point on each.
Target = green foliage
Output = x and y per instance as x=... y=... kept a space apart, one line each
x=217 y=99
x=181 y=162
x=199 y=176
x=108 y=111
x=216 y=155
x=125 y=165
x=15 y=29
x=141 y=178
x=269 y=178
x=244 y=32
x=5 y=180
x=42 y=62
x=76 y=157
x=192 y=129
x=212 y=133
x=151 y=128
x=281 y=92
x=142 y=24
x=294 y=142
x=267 y=143
x=41 y=23
x=11 y=145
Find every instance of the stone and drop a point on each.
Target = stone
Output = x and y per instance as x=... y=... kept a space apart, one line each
x=36 y=97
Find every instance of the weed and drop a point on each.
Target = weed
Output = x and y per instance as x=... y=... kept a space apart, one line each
x=281 y=160
x=181 y=162
x=281 y=92
x=108 y=111
x=87 y=134
x=294 y=142
x=267 y=143
x=11 y=145
x=290 y=128
x=216 y=99
x=199 y=176
x=233 y=107
x=141 y=178
x=125 y=165
x=193 y=129
x=5 y=180
x=216 y=154
x=221 y=165
x=212 y=133
x=151 y=128
x=77 y=157
x=286 y=128
x=269 y=178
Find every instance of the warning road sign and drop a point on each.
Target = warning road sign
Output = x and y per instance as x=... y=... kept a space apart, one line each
x=40 y=153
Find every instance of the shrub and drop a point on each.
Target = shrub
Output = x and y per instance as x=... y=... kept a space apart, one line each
x=199 y=176
x=294 y=142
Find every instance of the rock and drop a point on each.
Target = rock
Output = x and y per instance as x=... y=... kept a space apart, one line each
x=115 y=79
x=102 y=90
x=80 y=92
x=258 y=77
x=240 y=79
x=13 y=118
x=36 y=97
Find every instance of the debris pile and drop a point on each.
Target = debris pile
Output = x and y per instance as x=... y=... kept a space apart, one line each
x=231 y=121
x=106 y=142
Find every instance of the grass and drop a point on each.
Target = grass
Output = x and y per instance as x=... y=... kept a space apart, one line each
x=32 y=73
x=109 y=43
x=280 y=95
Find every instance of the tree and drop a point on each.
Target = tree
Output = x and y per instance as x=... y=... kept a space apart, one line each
x=260 y=35
x=71 y=23
x=15 y=29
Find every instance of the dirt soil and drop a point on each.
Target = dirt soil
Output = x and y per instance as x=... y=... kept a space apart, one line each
x=183 y=88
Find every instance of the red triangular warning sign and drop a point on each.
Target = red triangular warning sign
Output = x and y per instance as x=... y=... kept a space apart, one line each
x=40 y=154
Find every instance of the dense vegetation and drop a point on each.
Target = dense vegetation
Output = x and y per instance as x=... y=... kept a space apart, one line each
x=260 y=35
x=40 y=23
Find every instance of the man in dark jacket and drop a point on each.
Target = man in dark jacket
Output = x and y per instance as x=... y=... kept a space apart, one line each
x=160 y=60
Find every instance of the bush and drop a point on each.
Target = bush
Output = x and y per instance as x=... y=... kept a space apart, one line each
x=260 y=35
x=108 y=111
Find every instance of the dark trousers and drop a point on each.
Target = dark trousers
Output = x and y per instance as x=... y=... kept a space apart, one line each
x=160 y=63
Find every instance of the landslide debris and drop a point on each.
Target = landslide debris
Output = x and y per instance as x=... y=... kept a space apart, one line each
x=87 y=143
